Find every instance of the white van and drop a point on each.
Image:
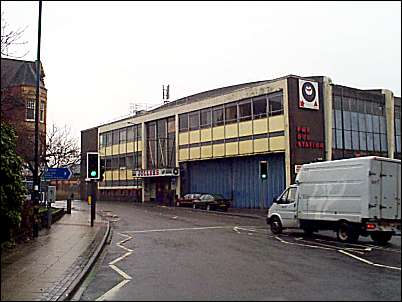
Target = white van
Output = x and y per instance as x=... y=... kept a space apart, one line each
x=353 y=197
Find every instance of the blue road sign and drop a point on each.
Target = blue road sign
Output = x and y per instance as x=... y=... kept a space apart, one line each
x=57 y=174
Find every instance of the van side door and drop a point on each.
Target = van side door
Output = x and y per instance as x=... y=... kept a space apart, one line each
x=287 y=207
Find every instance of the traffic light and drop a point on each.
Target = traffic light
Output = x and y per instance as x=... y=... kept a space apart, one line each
x=263 y=169
x=93 y=165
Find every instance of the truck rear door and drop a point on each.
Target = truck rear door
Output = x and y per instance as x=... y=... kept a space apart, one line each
x=389 y=206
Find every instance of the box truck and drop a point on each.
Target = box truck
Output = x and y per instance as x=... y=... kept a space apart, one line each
x=353 y=197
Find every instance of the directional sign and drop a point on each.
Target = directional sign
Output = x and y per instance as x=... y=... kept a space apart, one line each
x=58 y=174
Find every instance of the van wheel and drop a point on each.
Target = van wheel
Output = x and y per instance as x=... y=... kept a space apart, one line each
x=347 y=232
x=381 y=237
x=276 y=226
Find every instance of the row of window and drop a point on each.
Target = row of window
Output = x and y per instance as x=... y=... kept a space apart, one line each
x=30 y=110
x=123 y=161
x=161 y=143
x=248 y=109
x=359 y=131
x=120 y=136
x=358 y=105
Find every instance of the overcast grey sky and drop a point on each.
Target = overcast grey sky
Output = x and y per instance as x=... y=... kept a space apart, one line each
x=99 y=57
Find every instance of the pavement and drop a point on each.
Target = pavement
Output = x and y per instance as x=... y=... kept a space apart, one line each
x=51 y=266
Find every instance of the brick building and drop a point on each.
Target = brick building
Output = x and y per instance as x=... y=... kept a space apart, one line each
x=18 y=96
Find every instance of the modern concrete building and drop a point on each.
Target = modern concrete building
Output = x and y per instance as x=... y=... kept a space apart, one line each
x=214 y=141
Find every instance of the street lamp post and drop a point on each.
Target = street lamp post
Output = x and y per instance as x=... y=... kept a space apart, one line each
x=36 y=180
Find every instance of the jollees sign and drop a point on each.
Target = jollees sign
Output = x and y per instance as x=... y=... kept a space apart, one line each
x=303 y=139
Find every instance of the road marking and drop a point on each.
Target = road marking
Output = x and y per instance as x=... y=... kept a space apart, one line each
x=369 y=262
x=343 y=251
x=112 y=265
x=181 y=229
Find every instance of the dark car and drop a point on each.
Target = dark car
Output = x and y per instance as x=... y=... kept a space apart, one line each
x=187 y=200
x=212 y=202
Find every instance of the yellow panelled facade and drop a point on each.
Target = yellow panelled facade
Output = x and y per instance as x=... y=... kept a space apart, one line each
x=114 y=151
x=242 y=138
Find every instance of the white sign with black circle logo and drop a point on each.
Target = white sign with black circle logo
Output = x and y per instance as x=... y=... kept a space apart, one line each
x=308 y=95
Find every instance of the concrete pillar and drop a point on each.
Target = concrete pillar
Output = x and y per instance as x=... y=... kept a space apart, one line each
x=288 y=172
x=327 y=101
x=143 y=158
x=389 y=112
x=178 y=188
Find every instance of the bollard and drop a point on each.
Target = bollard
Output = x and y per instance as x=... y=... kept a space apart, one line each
x=68 y=206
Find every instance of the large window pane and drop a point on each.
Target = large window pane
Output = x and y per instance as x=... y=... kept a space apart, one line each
x=116 y=137
x=355 y=121
x=339 y=139
x=109 y=138
x=115 y=162
x=398 y=143
x=336 y=103
x=194 y=120
x=363 y=141
x=376 y=124
x=397 y=126
x=122 y=162
x=338 y=119
x=355 y=140
x=369 y=123
x=171 y=125
x=370 y=141
x=353 y=105
x=217 y=116
x=245 y=111
x=138 y=134
x=345 y=104
x=384 y=145
x=130 y=134
x=362 y=122
x=348 y=139
x=383 y=125
x=347 y=123
x=206 y=118
x=275 y=103
x=123 y=136
x=259 y=108
x=231 y=113
x=183 y=122
x=377 y=146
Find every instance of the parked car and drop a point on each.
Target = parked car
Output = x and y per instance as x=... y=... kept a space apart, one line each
x=187 y=200
x=212 y=202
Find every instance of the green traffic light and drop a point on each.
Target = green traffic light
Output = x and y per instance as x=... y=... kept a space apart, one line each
x=93 y=173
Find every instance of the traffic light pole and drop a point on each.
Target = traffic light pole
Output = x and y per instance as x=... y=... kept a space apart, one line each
x=93 y=201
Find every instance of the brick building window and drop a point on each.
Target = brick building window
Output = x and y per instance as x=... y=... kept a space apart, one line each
x=42 y=112
x=30 y=110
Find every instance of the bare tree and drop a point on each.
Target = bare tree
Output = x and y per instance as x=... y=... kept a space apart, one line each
x=11 y=38
x=62 y=149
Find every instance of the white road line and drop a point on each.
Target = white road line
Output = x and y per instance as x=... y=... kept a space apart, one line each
x=112 y=265
x=306 y=245
x=369 y=262
x=113 y=290
x=120 y=272
x=181 y=229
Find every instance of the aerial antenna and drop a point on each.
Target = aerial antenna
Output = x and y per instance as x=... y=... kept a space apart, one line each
x=165 y=94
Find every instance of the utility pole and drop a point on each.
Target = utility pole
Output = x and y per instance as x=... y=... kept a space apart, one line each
x=36 y=180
